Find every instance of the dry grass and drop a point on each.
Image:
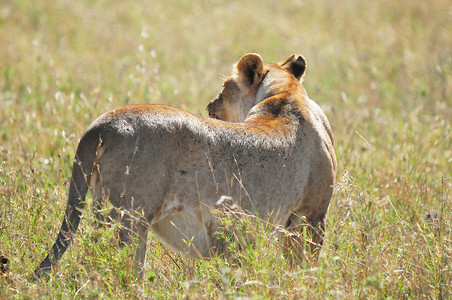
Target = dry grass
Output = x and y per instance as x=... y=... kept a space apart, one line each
x=381 y=71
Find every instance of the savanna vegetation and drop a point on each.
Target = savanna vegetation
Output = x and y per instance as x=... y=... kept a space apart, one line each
x=381 y=70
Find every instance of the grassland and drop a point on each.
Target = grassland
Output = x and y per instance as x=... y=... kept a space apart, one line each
x=381 y=70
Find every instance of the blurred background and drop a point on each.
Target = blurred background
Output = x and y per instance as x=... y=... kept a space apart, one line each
x=381 y=57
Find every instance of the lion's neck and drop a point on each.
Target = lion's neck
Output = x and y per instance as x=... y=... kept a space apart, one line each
x=274 y=84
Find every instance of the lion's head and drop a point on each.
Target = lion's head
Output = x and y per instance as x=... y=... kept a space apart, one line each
x=244 y=89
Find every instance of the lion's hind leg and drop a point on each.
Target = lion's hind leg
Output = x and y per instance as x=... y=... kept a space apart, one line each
x=134 y=231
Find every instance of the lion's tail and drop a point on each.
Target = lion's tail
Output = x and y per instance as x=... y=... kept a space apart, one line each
x=81 y=175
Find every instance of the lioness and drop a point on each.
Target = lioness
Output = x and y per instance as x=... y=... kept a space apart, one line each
x=171 y=167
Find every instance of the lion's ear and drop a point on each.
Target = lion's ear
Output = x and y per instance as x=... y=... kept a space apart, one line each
x=251 y=66
x=296 y=65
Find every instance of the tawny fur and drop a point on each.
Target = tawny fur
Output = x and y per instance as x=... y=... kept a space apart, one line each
x=167 y=168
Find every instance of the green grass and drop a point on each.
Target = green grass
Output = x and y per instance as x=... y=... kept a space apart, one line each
x=381 y=71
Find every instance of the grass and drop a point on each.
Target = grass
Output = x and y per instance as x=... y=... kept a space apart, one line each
x=380 y=70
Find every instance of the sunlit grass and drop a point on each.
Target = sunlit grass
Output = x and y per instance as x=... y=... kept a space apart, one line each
x=380 y=70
